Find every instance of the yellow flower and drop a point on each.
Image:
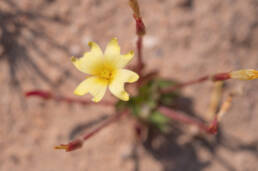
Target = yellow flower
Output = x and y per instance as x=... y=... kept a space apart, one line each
x=106 y=70
x=244 y=74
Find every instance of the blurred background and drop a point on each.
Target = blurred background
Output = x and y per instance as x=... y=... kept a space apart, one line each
x=185 y=39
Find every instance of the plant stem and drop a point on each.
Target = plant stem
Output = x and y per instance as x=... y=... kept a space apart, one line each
x=105 y=124
x=215 y=77
x=140 y=64
x=46 y=95
x=140 y=32
x=78 y=143
x=178 y=116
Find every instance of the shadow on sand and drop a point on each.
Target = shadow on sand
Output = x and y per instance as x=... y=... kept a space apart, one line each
x=15 y=45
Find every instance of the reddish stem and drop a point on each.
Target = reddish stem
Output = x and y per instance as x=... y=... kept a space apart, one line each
x=140 y=32
x=173 y=88
x=105 y=124
x=46 y=95
x=211 y=129
x=78 y=143
x=215 y=77
x=140 y=63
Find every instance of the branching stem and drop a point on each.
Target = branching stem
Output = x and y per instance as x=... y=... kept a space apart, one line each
x=211 y=128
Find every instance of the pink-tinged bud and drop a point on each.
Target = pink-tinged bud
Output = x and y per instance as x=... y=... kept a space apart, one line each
x=42 y=94
x=244 y=74
x=74 y=145
x=140 y=27
x=213 y=128
x=221 y=77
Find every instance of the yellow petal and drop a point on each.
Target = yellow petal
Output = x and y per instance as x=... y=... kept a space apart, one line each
x=112 y=53
x=123 y=60
x=89 y=60
x=93 y=85
x=95 y=49
x=117 y=85
x=112 y=49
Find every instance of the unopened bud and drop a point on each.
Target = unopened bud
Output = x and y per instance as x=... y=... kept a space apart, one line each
x=221 y=77
x=245 y=74
x=140 y=27
x=74 y=145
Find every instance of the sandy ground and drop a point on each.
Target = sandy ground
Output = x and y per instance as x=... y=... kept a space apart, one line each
x=185 y=39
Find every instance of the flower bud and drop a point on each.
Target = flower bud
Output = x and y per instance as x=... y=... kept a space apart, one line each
x=245 y=74
x=74 y=145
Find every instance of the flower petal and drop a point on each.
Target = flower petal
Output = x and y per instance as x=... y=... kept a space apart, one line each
x=89 y=60
x=117 y=85
x=123 y=60
x=112 y=49
x=95 y=49
x=93 y=85
x=112 y=53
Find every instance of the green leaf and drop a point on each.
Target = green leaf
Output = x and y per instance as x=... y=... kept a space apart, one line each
x=159 y=121
x=157 y=118
x=149 y=97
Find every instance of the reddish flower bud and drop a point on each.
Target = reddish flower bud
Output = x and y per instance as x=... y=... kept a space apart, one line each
x=221 y=77
x=74 y=145
x=140 y=27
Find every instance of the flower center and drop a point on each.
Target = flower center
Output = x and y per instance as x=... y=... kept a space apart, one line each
x=105 y=71
x=105 y=74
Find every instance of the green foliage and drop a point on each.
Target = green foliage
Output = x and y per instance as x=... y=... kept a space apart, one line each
x=143 y=106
